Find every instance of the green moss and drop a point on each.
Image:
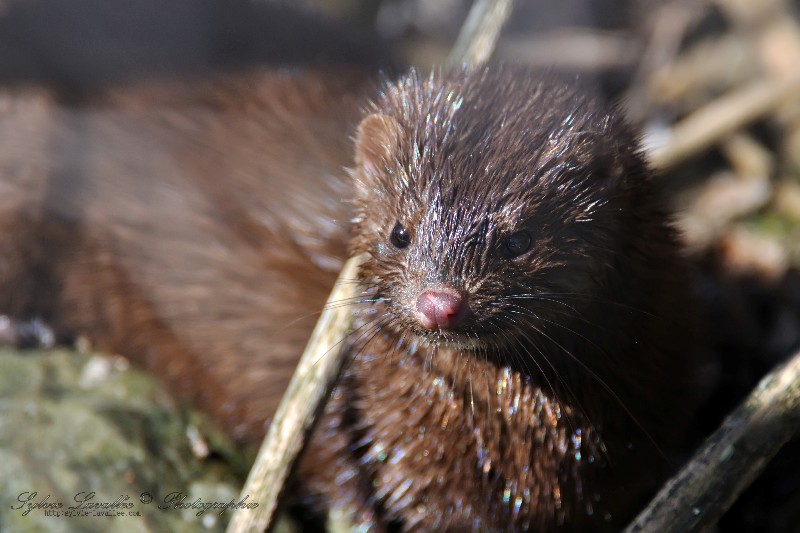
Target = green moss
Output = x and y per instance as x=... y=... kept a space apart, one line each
x=117 y=437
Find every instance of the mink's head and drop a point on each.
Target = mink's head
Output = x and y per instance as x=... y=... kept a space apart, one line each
x=482 y=196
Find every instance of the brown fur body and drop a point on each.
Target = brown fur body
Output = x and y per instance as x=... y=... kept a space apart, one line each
x=197 y=228
x=181 y=224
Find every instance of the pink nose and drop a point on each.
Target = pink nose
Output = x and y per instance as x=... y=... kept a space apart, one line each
x=441 y=309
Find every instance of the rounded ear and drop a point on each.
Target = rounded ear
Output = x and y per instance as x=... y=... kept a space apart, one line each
x=377 y=137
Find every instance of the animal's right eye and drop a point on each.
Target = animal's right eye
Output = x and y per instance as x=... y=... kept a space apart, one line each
x=516 y=244
x=399 y=237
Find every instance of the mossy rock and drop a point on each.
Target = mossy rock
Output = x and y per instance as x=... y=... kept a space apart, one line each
x=85 y=426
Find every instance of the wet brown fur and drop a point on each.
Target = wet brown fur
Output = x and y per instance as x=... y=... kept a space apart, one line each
x=558 y=401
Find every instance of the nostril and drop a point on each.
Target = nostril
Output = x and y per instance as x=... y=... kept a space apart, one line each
x=441 y=309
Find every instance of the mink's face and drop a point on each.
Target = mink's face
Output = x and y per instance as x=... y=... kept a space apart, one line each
x=479 y=214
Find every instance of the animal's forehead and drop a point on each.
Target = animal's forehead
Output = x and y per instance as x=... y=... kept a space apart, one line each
x=479 y=139
x=490 y=101
x=484 y=198
x=494 y=139
x=492 y=167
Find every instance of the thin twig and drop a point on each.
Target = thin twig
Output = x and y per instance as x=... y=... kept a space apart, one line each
x=731 y=458
x=479 y=34
x=721 y=118
x=317 y=370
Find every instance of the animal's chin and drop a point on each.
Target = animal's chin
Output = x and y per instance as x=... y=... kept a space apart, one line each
x=454 y=340
x=486 y=342
x=462 y=344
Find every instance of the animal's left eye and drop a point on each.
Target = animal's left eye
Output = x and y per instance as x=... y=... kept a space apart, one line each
x=399 y=237
x=516 y=244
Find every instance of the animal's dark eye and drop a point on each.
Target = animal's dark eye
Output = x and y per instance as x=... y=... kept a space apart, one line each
x=516 y=244
x=399 y=237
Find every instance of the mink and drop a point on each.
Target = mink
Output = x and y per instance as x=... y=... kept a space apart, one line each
x=523 y=355
x=528 y=357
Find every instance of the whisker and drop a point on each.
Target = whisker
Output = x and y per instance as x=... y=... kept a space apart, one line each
x=522 y=311
x=336 y=304
x=594 y=297
x=337 y=343
x=605 y=386
x=571 y=394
